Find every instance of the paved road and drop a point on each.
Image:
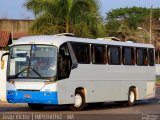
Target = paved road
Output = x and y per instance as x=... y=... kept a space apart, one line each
x=142 y=109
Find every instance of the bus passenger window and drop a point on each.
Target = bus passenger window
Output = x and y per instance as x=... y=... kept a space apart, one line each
x=114 y=56
x=142 y=57
x=151 y=60
x=82 y=52
x=128 y=56
x=99 y=54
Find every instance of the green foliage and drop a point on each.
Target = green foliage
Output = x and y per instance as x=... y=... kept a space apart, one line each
x=132 y=16
x=80 y=17
x=123 y=22
x=156 y=13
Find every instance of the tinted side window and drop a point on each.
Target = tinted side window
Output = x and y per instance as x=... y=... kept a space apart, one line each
x=142 y=56
x=151 y=60
x=82 y=52
x=114 y=55
x=64 y=62
x=128 y=56
x=99 y=54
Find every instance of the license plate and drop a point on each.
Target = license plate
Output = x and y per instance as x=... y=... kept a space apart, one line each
x=27 y=96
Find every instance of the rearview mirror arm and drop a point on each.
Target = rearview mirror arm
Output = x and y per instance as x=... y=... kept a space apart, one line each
x=4 y=54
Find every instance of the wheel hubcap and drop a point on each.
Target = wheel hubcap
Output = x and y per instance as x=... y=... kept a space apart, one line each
x=78 y=100
x=132 y=97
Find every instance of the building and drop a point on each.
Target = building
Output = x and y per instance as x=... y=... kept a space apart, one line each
x=11 y=29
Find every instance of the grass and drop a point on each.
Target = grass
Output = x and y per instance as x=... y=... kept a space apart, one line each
x=158 y=81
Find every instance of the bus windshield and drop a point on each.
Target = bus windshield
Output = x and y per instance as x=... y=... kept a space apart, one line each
x=32 y=61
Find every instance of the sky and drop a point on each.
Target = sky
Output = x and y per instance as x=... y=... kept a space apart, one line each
x=14 y=9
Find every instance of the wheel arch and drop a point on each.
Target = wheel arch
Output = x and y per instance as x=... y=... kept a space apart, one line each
x=83 y=90
x=82 y=93
x=135 y=89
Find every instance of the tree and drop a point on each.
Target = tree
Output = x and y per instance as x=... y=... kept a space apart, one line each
x=132 y=16
x=126 y=20
x=80 y=17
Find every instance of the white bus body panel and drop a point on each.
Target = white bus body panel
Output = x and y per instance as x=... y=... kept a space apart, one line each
x=26 y=85
x=59 y=40
x=107 y=83
x=22 y=85
x=158 y=70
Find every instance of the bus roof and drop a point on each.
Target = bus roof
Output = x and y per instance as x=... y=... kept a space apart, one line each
x=59 y=40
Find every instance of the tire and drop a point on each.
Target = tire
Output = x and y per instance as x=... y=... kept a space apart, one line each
x=35 y=106
x=131 y=97
x=79 y=101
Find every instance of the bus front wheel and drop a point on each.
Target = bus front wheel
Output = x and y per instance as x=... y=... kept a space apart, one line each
x=35 y=106
x=131 y=97
x=79 y=101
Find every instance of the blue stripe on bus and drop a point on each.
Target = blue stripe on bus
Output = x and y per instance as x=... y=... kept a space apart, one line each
x=32 y=97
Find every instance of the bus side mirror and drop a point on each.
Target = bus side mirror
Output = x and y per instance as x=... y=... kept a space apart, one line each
x=2 y=61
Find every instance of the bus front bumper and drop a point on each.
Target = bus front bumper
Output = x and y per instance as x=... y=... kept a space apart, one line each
x=39 y=97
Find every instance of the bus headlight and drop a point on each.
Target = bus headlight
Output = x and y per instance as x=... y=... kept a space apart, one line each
x=11 y=82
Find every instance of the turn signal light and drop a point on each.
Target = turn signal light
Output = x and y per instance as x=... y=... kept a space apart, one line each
x=46 y=83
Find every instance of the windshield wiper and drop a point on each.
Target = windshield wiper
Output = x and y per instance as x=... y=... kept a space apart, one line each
x=36 y=72
x=27 y=69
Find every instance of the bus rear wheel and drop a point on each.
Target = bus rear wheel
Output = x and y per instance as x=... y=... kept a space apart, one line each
x=35 y=106
x=79 y=101
x=131 y=97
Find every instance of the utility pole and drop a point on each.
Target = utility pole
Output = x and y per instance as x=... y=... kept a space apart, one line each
x=12 y=32
x=150 y=31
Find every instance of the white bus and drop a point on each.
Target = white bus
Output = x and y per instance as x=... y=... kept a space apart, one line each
x=58 y=70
